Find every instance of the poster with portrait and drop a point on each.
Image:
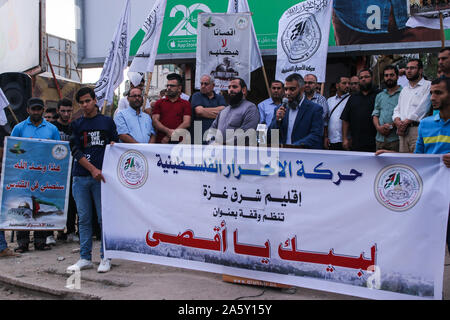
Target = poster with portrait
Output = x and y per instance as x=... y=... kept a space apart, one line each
x=223 y=48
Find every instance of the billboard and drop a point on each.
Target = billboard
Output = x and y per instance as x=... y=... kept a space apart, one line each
x=358 y=27
x=20 y=35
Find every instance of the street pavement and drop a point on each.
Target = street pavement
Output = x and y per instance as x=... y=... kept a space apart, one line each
x=45 y=272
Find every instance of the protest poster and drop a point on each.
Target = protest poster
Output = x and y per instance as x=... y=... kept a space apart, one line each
x=35 y=184
x=429 y=14
x=346 y=222
x=302 y=45
x=224 y=48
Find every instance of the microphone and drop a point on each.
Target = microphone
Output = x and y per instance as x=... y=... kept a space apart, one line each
x=284 y=105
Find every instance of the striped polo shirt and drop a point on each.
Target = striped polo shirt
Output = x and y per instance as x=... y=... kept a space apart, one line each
x=434 y=136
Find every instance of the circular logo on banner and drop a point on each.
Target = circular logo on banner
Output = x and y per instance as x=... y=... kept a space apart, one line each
x=60 y=152
x=302 y=38
x=133 y=169
x=398 y=187
x=242 y=23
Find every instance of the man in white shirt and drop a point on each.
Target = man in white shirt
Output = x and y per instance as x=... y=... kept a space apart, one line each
x=336 y=104
x=413 y=105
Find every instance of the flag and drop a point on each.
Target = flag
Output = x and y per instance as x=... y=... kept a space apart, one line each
x=241 y=6
x=116 y=61
x=303 y=36
x=144 y=61
x=3 y=104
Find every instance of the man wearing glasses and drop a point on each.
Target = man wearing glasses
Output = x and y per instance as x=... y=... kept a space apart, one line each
x=133 y=125
x=171 y=113
x=413 y=105
x=206 y=105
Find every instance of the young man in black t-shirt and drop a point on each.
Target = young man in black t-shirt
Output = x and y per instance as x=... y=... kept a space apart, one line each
x=90 y=135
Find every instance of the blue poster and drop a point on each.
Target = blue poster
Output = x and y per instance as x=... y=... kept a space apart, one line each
x=35 y=184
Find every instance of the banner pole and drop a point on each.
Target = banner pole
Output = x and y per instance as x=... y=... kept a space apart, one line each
x=104 y=107
x=441 y=19
x=147 y=89
x=13 y=114
x=266 y=80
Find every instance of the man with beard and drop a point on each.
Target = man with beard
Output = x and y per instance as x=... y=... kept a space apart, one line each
x=385 y=102
x=171 y=113
x=357 y=116
x=134 y=125
x=413 y=105
x=238 y=118
x=35 y=127
x=444 y=62
x=301 y=126
x=333 y=132
x=354 y=85
x=268 y=106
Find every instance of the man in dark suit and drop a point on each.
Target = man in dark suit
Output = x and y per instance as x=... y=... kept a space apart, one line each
x=300 y=121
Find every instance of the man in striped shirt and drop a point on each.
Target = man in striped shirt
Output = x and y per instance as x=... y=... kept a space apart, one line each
x=434 y=131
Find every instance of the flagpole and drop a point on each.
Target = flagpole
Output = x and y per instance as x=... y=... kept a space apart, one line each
x=13 y=114
x=104 y=107
x=441 y=19
x=147 y=89
x=266 y=80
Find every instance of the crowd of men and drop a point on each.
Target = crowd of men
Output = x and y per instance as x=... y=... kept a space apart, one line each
x=411 y=118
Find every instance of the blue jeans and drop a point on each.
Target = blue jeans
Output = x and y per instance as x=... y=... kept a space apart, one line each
x=3 y=244
x=86 y=191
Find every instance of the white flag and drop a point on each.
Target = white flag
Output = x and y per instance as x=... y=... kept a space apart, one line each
x=241 y=6
x=144 y=61
x=3 y=104
x=116 y=61
x=303 y=36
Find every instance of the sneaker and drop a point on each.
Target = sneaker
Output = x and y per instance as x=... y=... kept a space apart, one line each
x=104 y=266
x=7 y=253
x=72 y=237
x=50 y=240
x=81 y=264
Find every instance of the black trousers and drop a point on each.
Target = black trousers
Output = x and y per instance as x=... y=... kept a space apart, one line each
x=23 y=237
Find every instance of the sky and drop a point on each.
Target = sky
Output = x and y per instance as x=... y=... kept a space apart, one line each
x=61 y=22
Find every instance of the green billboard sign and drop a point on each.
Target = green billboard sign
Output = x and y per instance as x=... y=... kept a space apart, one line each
x=362 y=22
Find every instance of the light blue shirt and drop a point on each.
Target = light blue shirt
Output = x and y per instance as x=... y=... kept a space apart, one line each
x=26 y=129
x=434 y=136
x=266 y=111
x=139 y=126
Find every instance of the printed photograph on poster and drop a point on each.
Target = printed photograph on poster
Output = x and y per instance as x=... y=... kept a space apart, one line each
x=223 y=48
x=428 y=7
x=383 y=21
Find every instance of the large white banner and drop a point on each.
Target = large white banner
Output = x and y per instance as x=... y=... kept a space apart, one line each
x=303 y=34
x=224 y=47
x=345 y=222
